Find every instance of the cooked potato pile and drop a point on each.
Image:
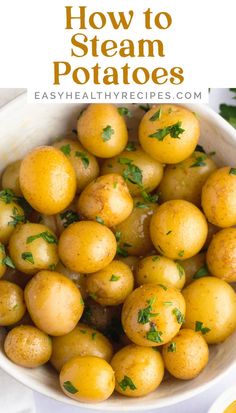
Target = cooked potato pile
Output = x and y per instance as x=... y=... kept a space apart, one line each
x=116 y=256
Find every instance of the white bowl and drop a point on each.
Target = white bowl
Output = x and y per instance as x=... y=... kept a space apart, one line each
x=24 y=126
x=224 y=401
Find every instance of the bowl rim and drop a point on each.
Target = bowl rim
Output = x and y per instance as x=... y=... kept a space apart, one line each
x=224 y=400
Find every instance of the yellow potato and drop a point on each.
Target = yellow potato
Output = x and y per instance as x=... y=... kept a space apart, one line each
x=77 y=278
x=10 y=178
x=11 y=215
x=221 y=255
x=12 y=306
x=169 y=133
x=2 y=260
x=195 y=267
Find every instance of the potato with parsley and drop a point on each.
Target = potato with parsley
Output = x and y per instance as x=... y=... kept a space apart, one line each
x=210 y=308
x=12 y=305
x=169 y=133
x=178 y=229
x=157 y=269
x=11 y=178
x=33 y=247
x=195 y=267
x=102 y=130
x=186 y=355
x=138 y=370
x=106 y=200
x=219 y=197
x=141 y=171
x=186 y=179
x=11 y=214
x=153 y=314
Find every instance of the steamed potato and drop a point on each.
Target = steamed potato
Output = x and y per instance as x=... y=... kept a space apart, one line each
x=219 y=197
x=107 y=200
x=10 y=177
x=178 y=229
x=12 y=306
x=186 y=355
x=2 y=260
x=195 y=267
x=47 y=180
x=87 y=247
x=102 y=130
x=138 y=370
x=169 y=133
x=11 y=214
x=54 y=303
x=77 y=278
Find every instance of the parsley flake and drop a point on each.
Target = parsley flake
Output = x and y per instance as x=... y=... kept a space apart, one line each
x=68 y=386
x=199 y=161
x=94 y=336
x=114 y=277
x=232 y=171
x=181 y=270
x=16 y=218
x=46 y=236
x=181 y=254
x=145 y=314
x=199 y=327
x=169 y=232
x=156 y=115
x=155 y=258
x=171 y=347
x=124 y=112
x=154 y=335
x=179 y=316
x=68 y=217
x=66 y=149
x=7 y=196
x=202 y=272
x=163 y=286
x=100 y=220
x=122 y=252
x=140 y=204
x=127 y=382
x=84 y=158
x=131 y=173
x=149 y=197
x=8 y=262
x=173 y=130
x=131 y=147
x=28 y=256
x=107 y=133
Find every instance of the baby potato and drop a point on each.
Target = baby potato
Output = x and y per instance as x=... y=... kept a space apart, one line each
x=54 y=303
x=178 y=229
x=153 y=314
x=186 y=355
x=10 y=178
x=106 y=200
x=87 y=247
x=169 y=133
x=195 y=267
x=221 y=255
x=102 y=130
x=85 y=164
x=33 y=247
x=186 y=179
x=2 y=262
x=78 y=279
x=133 y=234
x=28 y=346
x=112 y=284
x=219 y=197
x=11 y=215
x=47 y=180
x=12 y=306
x=87 y=379
x=82 y=341
x=156 y=269
x=210 y=308
x=138 y=370
x=140 y=171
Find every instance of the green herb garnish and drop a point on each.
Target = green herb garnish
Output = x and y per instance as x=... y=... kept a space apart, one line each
x=145 y=108
x=173 y=130
x=202 y=272
x=154 y=335
x=200 y=148
x=167 y=303
x=94 y=336
x=28 y=256
x=156 y=115
x=107 y=133
x=149 y=197
x=181 y=270
x=232 y=171
x=68 y=386
x=179 y=316
x=46 y=236
x=140 y=204
x=66 y=149
x=172 y=347
x=124 y=112
x=100 y=220
x=169 y=232
x=131 y=173
x=114 y=277
x=155 y=258
x=7 y=196
x=131 y=147
x=16 y=218
x=8 y=262
x=199 y=161
x=52 y=267
x=163 y=286
x=122 y=252
x=181 y=254
x=199 y=327
x=84 y=158
x=145 y=314
x=127 y=382
x=69 y=217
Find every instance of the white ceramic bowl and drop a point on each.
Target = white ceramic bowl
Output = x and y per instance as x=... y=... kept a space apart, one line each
x=24 y=126
x=223 y=401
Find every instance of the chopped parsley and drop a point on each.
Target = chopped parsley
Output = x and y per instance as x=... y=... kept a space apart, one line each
x=155 y=258
x=68 y=386
x=140 y=204
x=145 y=108
x=107 y=133
x=131 y=147
x=181 y=254
x=179 y=316
x=127 y=382
x=202 y=272
x=66 y=149
x=199 y=161
x=171 y=347
x=84 y=158
x=122 y=252
x=93 y=295
x=167 y=303
x=68 y=217
x=145 y=314
x=16 y=218
x=232 y=171
x=154 y=335
x=131 y=173
x=169 y=232
x=200 y=148
x=118 y=236
x=163 y=286
x=173 y=130
x=149 y=197
x=28 y=256
x=99 y=220
x=199 y=327
x=52 y=267
x=46 y=236
x=114 y=277
x=7 y=196
x=156 y=115
x=94 y=336
x=8 y=262
x=83 y=331
x=229 y=113
x=124 y=112
x=181 y=270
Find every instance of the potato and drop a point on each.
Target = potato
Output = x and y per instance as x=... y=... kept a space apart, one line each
x=12 y=306
x=186 y=179
x=210 y=308
x=186 y=355
x=87 y=379
x=77 y=278
x=221 y=255
x=10 y=178
x=178 y=229
x=54 y=303
x=133 y=234
x=33 y=247
x=156 y=269
x=87 y=247
x=153 y=314
x=112 y=284
x=85 y=165
x=2 y=260
x=82 y=341
x=138 y=370
x=11 y=214
x=28 y=346
x=195 y=267
x=140 y=170
x=219 y=197
x=102 y=130
x=106 y=200
x=169 y=133
x=47 y=180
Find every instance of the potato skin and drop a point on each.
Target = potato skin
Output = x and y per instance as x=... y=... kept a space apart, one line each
x=186 y=179
x=9 y=211
x=54 y=303
x=82 y=341
x=186 y=355
x=178 y=229
x=143 y=365
x=43 y=253
x=47 y=180
x=77 y=278
x=28 y=346
x=152 y=170
x=102 y=131
x=2 y=256
x=11 y=177
x=164 y=319
x=87 y=247
x=169 y=149
x=219 y=198
x=156 y=269
x=107 y=198
x=92 y=376
x=111 y=285
x=193 y=265
x=84 y=163
x=212 y=302
x=221 y=255
x=12 y=306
